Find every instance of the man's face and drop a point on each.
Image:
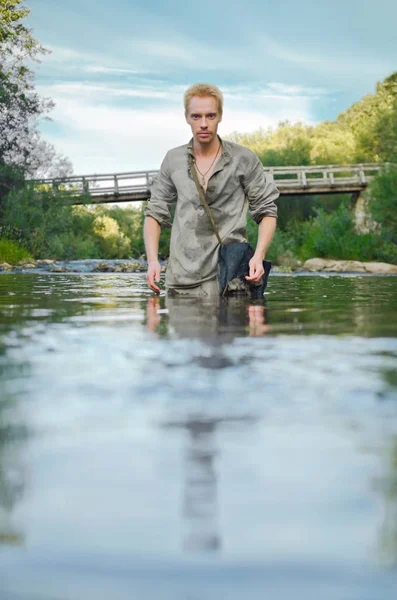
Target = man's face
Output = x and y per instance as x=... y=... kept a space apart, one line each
x=203 y=117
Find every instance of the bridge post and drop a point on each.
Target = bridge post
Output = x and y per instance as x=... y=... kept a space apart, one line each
x=362 y=175
x=55 y=187
x=362 y=217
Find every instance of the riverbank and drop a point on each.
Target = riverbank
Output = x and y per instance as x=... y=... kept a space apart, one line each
x=90 y=265
x=313 y=265
x=348 y=266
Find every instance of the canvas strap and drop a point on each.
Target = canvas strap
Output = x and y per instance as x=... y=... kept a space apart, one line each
x=203 y=199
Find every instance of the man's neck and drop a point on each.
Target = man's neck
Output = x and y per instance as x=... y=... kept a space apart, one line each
x=205 y=150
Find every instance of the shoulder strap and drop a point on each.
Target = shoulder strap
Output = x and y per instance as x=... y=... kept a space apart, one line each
x=203 y=200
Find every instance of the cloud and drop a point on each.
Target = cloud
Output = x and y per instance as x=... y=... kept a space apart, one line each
x=297 y=90
x=81 y=89
x=100 y=135
x=69 y=59
x=111 y=70
x=339 y=63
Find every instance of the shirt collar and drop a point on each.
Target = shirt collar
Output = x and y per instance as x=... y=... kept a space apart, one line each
x=225 y=153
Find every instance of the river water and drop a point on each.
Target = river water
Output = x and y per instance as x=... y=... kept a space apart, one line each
x=165 y=449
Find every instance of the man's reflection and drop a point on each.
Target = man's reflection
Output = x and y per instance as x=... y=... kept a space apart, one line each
x=11 y=479
x=217 y=322
x=388 y=487
x=200 y=493
x=220 y=319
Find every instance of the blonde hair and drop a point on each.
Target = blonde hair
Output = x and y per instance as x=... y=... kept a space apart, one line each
x=202 y=90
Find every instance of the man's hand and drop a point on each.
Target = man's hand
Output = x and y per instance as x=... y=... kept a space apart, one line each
x=152 y=316
x=256 y=269
x=153 y=273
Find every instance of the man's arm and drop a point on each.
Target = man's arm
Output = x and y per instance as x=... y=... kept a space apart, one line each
x=158 y=215
x=266 y=230
x=261 y=192
x=151 y=234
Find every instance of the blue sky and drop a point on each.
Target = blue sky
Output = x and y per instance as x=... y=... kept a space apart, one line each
x=118 y=70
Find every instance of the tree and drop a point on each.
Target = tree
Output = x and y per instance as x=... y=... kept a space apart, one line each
x=22 y=152
x=383 y=200
x=332 y=144
x=385 y=129
x=369 y=118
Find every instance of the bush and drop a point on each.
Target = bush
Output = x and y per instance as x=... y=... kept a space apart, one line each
x=333 y=236
x=11 y=252
x=383 y=200
x=114 y=243
x=48 y=227
x=130 y=222
x=38 y=216
x=283 y=249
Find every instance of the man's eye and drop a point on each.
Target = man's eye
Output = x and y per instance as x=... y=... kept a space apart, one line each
x=195 y=117
x=211 y=116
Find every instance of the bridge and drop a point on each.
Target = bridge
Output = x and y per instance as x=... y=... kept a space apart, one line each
x=291 y=181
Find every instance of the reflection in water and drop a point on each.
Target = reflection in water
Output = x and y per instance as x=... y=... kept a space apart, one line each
x=219 y=319
x=91 y=364
x=200 y=486
x=11 y=473
x=200 y=507
x=388 y=487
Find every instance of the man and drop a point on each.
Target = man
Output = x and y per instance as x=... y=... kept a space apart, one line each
x=233 y=180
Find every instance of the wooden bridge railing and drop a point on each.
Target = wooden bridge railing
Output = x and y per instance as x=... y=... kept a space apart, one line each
x=134 y=186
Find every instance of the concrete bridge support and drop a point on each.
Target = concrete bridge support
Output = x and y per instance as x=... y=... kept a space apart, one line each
x=362 y=216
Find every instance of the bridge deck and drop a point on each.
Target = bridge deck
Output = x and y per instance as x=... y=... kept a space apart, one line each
x=291 y=181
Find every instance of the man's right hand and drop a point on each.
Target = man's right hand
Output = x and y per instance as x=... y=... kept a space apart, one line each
x=153 y=273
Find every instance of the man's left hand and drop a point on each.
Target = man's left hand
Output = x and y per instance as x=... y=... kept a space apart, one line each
x=256 y=269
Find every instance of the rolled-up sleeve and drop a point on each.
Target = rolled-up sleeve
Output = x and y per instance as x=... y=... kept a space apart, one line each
x=162 y=196
x=261 y=192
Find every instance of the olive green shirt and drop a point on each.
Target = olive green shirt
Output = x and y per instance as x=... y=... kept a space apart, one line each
x=238 y=184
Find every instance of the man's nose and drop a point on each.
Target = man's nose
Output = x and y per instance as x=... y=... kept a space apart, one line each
x=203 y=123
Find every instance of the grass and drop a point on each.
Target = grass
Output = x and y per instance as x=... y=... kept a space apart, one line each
x=11 y=252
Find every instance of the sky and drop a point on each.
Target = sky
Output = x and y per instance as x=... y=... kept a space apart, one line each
x=117 y=70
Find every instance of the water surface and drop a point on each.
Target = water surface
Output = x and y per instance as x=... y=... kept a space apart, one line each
x=169 y=449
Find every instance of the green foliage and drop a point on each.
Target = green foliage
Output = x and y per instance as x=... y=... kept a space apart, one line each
x=11 y=252
x=39 y=217
x=332 y=235
x=332 y=143
x=10 y=178
x=383 y=199
x=114 y=243
x=11 y=12
x=365 y=132
x=48 y=227
x=368 y=120
x=130 y=223
x=288 y=144
x=283 y=250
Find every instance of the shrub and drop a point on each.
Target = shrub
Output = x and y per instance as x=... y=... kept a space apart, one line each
x=38 y=216
x=383 y=199
x=114 y=243
x=283 y=249
x=333 y=236
x=11 y=252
